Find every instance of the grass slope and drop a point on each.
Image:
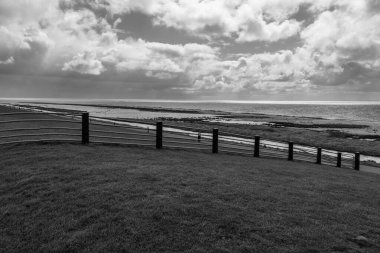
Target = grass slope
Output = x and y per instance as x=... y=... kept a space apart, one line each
x=65 y=198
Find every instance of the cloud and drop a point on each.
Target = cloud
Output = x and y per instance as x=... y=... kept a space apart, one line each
x=85 y=63
x=259 y=30
x=240 y=19
x=160 y=60
x=161 y=75
x=270 y=72
x=343 y=37
x=45 y=37
x=338 y=45
x=8 y=61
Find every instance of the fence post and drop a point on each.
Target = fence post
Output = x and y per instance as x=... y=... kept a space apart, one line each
x=159 y=135
x=319 y=156
x=85 y=128
x=215 y=140
x=256 y=152
x=339 y=160
x=290 y=153
x=357 y=161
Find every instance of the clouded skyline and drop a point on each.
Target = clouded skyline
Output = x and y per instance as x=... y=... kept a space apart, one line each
x=191 y=49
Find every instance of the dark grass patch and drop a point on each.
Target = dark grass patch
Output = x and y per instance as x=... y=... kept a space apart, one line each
x=340 y=134
x=67 y=198
x=315 y=125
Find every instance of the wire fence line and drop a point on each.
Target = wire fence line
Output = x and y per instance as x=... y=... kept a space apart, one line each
x=74 y=128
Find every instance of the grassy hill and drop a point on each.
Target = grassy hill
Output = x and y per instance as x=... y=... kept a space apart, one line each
x=57 y=198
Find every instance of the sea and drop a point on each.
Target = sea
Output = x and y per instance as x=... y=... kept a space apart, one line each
x=360 y=111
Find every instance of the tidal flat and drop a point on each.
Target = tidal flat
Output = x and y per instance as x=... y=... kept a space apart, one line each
x=336 y=134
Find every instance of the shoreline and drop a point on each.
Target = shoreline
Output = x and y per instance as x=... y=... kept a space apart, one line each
x=141 y=108
x=328 y=134
x=368 y=160
x=216 y=113
x=225 y=114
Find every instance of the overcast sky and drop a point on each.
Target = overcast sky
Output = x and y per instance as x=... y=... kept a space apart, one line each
x=191 y=49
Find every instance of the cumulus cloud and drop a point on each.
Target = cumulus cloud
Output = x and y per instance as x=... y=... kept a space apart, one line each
x=259 y=30
x=8 y=61
x=85 y=63
x=339 y=44
x=241 y=19
x=271 y=72
x=345 y=36
x=160 y=60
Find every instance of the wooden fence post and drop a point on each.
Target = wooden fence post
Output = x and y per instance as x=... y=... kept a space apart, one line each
x=215 y=140
x=357 y=161
x=256 y=152
x=85 y=128
x=319 y=156
x=158 y=135
x=339 y=160
x=290 y=152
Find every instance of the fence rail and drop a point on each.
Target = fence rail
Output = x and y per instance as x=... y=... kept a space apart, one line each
x=56 y=127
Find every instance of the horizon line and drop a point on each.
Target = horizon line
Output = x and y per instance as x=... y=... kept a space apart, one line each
x=206 y=101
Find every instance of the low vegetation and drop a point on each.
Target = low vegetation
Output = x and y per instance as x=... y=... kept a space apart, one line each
x=315 y=125
x=334 y=140
x=303 y=134
x=69 y=198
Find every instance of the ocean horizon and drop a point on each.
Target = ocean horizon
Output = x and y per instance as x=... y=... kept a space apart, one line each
x=357 y=111
x=326 y=102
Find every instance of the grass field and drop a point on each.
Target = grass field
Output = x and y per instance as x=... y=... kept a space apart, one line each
x=69 y=198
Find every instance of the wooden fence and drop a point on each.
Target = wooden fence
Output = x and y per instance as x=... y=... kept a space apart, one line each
x=29 y=126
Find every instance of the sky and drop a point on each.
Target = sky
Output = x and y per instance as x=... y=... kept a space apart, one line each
x=191 y=49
